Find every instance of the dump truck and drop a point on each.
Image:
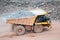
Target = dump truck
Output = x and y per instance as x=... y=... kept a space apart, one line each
x=32 y=20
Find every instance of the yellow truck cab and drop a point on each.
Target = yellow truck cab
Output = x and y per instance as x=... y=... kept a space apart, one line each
x=31 y=20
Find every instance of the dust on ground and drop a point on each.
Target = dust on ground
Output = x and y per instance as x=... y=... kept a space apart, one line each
x=52 y=34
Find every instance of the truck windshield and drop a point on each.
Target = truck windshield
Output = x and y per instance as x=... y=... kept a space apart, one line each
x=41 y=18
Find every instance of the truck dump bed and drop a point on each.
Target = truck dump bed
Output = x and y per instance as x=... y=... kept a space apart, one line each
x=24 y=17
x=23 y=21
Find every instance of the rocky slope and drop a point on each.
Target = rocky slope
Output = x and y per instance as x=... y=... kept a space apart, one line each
x=12 y=6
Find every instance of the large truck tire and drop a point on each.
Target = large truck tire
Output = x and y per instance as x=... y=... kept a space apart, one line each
x=38 y=28
x=19 y=30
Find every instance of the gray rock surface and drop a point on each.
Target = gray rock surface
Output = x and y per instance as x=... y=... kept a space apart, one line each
x=10 y=6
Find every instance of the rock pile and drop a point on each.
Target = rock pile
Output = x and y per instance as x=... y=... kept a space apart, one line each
x=10 y=6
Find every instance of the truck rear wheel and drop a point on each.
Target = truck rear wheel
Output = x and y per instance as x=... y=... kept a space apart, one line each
x=20 y=30
x=38 y=28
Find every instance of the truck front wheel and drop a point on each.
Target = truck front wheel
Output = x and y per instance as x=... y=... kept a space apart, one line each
x=20 y=30
x=38 y=28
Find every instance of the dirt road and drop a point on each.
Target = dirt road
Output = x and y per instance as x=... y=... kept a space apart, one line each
x=53 y=34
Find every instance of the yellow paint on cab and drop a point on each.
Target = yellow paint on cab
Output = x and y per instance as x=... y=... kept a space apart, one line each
x=42 y=23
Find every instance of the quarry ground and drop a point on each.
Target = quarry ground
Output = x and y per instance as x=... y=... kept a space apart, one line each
x=52 y=34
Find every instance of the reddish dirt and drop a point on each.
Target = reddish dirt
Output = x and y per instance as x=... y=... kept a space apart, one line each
x=52 y=34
